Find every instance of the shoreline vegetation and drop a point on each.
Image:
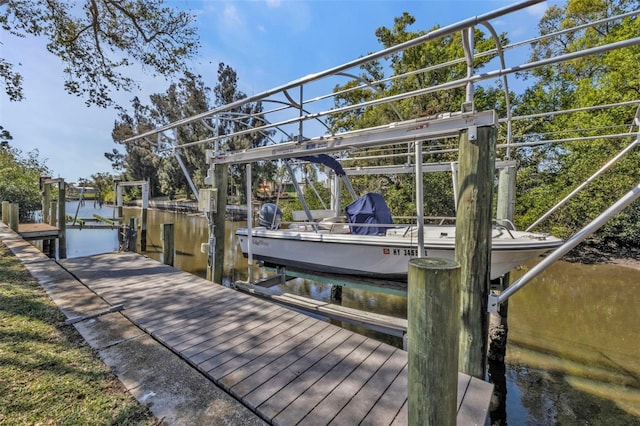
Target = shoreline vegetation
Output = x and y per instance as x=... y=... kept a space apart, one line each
x=611 y=253
x=48 y=373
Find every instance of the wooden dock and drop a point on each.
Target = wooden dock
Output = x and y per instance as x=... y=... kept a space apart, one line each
x=37 y=231
x=44 y=232
x=287 y=367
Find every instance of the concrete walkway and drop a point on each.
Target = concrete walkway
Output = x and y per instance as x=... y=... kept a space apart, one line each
x=175 y=392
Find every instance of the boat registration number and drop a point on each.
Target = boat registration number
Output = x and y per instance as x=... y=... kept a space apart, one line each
x=413 y=252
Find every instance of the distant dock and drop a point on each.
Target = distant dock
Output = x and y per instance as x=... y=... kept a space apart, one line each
x=44 y=232
x=37 y=231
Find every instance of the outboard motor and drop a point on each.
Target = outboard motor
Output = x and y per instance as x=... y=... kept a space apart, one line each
x=270 y=216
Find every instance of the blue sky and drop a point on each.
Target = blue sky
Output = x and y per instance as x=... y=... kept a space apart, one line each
x=268 y=43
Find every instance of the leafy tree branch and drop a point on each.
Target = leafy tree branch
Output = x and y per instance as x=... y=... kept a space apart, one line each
x=98 y=40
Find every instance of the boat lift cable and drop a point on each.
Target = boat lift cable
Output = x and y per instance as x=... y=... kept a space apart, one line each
x=389 y=153
x=502 y=145
x=304 y=110
x=581 y=130
x=409 y=168
x=240 y=122
x=496 y=299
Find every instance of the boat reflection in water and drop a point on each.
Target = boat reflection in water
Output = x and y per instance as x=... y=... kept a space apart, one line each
x=573 y=355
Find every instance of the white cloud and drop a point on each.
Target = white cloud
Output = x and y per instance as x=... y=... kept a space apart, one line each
x=231 y=17
x=537 y=10
x=274 y=3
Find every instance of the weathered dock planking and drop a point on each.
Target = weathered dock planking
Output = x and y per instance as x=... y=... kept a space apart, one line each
x=37 y=231
x=287 y=367
x=41 y=231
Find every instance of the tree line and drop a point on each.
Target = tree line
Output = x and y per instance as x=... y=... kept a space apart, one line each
x=161 y=161
x=546 y=172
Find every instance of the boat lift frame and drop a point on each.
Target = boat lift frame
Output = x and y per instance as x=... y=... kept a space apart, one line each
x=409 y=132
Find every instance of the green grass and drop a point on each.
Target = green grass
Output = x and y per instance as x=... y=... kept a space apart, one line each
x=48 y=374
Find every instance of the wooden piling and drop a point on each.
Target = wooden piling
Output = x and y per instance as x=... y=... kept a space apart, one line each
x=46 y=199
x=62 y=222
x=53 y=213
x=473 y=244
x=133 y=233
x=5 y=212
x=14 y=216
x=143 y=225
x=336 y=293
x=143 y=231
x=498 y=321
x=119 y=200
x=498 y=324
x=221 y=174
x=168 y=251
x=49 y=248
x=433 y=328
x=506 y=193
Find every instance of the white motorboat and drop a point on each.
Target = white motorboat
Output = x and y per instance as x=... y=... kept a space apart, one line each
x=352 y=249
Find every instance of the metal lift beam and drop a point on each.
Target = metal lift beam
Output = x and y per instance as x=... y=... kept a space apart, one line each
x=411 y=168
x=394 y=133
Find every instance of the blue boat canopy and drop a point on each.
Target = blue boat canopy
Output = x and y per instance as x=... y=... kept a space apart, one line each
x=327 y=160
x=369 y=209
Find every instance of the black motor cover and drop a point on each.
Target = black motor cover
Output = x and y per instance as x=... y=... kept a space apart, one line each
x=270 y=216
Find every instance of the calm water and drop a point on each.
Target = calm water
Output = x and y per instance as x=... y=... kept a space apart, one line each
x=573 y=355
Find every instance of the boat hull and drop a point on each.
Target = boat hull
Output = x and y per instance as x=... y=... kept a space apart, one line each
x=385 y=257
